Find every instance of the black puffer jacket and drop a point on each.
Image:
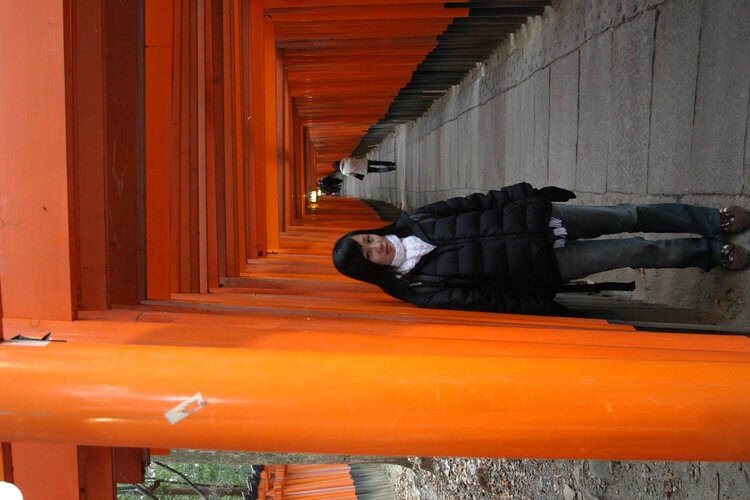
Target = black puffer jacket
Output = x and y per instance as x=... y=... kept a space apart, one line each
x=494 y=252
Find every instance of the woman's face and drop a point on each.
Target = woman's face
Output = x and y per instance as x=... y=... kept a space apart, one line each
x=376 y=249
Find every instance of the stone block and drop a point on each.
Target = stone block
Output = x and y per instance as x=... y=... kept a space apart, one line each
x=486 y=158
x=449 y=139
x=606 y=14
x=500 y=131
x=593 y=114
x=719 y=131
x=495 y=176
x=746 y=177
x=490 y=84
x=467 y=97
x=632 y=58
x=673 y=97
x=430 y=161
x=564 y=33
x=463 y=149
x=533 y=48
x=525 y=126
x=540 y=81
x=475 y=134
x=510 y=119
x=563 y=121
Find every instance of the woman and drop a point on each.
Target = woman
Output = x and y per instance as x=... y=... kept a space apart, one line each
x=511 y=250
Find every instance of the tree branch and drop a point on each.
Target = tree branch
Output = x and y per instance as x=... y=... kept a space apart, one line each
x=183 y=476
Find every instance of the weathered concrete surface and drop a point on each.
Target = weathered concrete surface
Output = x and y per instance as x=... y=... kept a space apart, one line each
x=594 y=113
x=563 y=117
x=673 y=96
x=619 y=100
x=632 y=49
x=721 y=95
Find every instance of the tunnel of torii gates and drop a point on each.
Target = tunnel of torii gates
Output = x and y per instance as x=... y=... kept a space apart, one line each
x=154 y=164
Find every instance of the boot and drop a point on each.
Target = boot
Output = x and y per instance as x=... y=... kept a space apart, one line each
x=734 y=257
x=734 y=219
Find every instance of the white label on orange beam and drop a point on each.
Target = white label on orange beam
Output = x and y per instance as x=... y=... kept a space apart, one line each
x=26 y=341
x=187 y=407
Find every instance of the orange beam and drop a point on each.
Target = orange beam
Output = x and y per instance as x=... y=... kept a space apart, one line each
x=532 y=403
x=403 y=329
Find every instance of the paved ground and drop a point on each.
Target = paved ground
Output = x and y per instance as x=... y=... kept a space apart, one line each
x=618 y=100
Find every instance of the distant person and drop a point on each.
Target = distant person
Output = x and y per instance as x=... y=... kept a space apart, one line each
x=330 y=185
x=514 y=249
x=359 y=167
x=329 y=181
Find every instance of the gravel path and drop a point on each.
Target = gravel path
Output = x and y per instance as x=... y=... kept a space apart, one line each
x=566 y=479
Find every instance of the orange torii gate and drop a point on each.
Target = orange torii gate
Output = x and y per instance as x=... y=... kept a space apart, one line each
x=155 y=217
x=307 y=482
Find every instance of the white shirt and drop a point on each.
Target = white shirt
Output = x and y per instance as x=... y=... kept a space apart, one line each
x=351 y=166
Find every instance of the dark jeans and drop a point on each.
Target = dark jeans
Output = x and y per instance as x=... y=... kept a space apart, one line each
x=380 y=166
x=581 y=257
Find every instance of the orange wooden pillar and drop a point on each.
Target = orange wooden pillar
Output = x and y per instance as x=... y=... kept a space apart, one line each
x=211 y=142
x=460 y=397
x=238 y=132
x=158 y=90
x=67 y=471
x=6 y=463
x=257 y=242
x=123 y=151
x=6 y=457
x=38 y=258
x=274 y=103
x=59 y=133
x=57 y=462
x=87 y=45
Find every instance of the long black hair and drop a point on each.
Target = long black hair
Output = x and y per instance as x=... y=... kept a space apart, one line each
x=349 y=261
